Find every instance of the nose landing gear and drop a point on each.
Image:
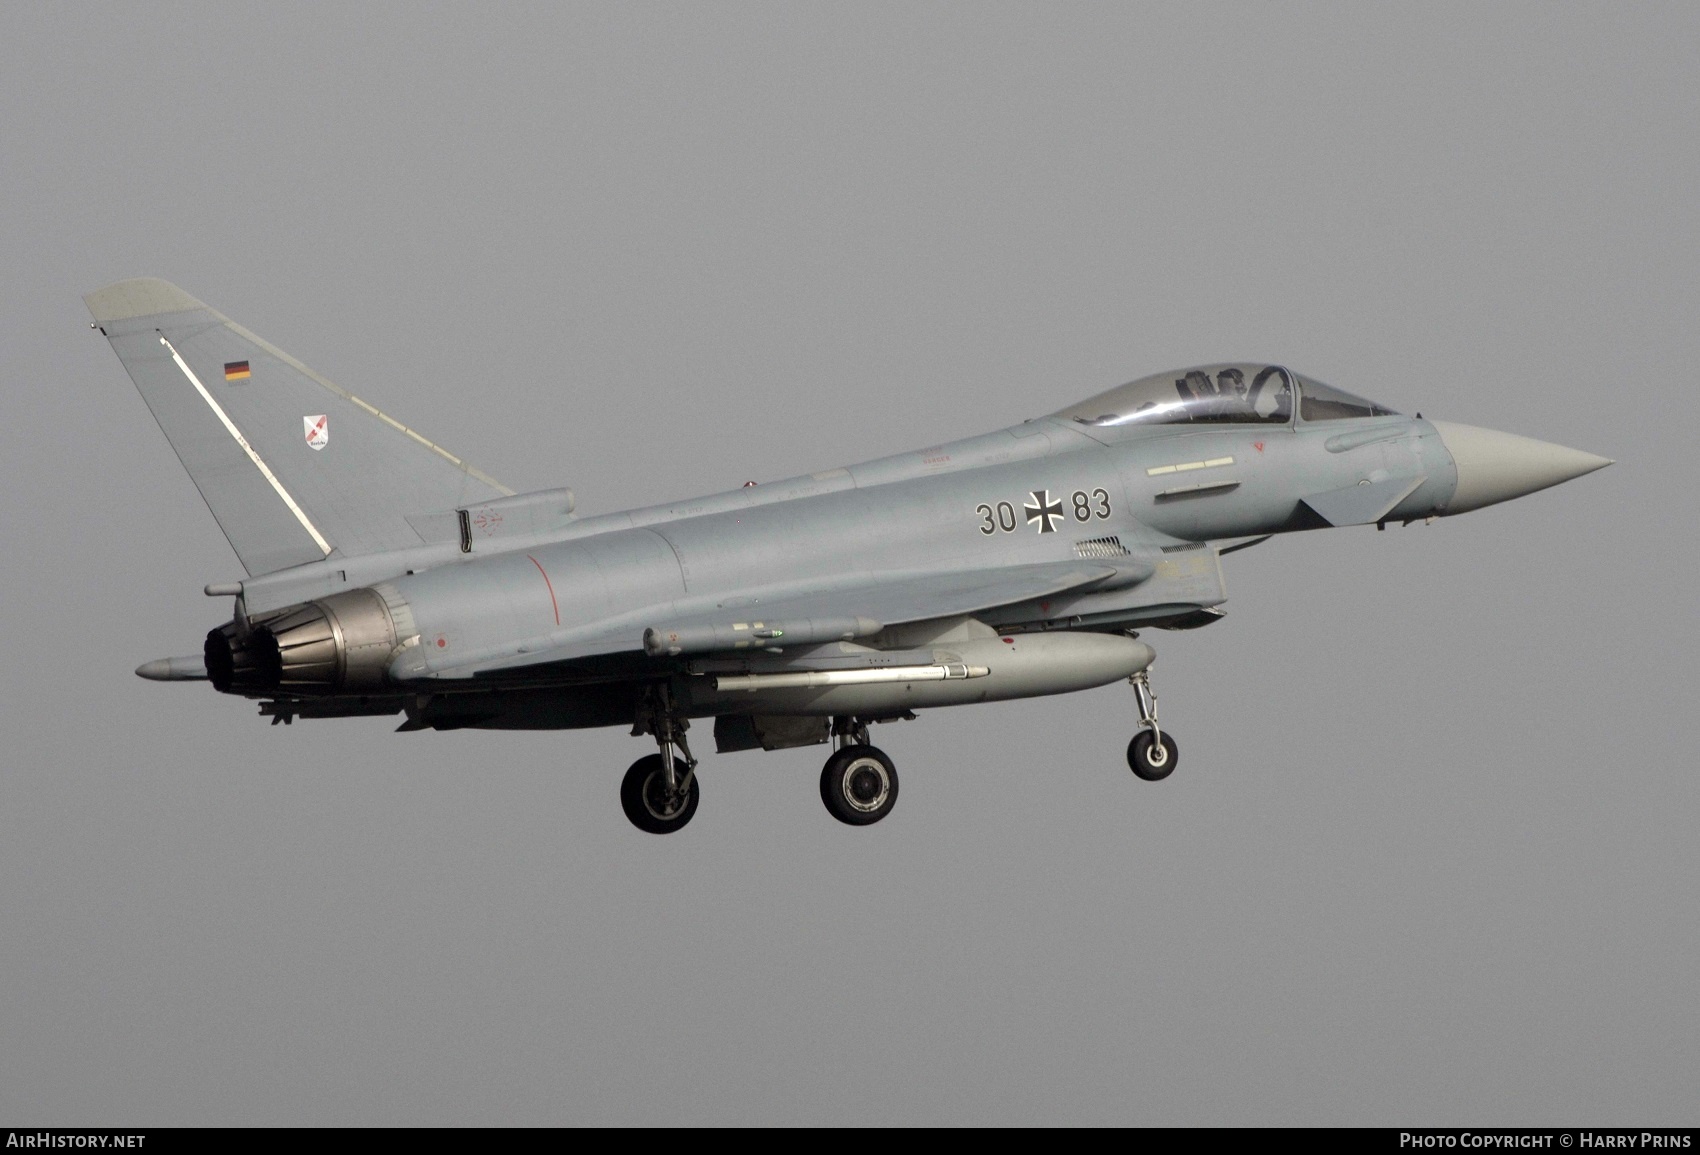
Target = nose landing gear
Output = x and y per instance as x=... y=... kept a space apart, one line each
x=1152 y=755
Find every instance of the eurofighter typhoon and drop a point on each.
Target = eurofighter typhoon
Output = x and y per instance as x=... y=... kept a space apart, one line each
x=388 y=577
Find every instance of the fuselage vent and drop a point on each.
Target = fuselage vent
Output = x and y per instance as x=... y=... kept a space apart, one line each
x=1100 y=547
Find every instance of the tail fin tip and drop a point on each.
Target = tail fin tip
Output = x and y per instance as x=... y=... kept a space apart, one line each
x=139 y=297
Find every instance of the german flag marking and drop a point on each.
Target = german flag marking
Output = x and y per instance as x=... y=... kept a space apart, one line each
x=236 y=371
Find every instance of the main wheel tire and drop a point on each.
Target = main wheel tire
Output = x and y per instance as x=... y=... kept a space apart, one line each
x=643 y=796
x=1149 y=761
x=859 y=785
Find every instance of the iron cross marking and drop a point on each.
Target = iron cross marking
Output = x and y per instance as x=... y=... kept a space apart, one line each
x=1044 y=511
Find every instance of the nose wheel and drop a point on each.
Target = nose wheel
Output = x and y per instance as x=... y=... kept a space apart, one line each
x=1152 y=755
x=858 y=783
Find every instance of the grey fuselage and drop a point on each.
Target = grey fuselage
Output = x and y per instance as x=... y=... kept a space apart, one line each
x=913 y=513
x=387 y=575
x=1141 y=500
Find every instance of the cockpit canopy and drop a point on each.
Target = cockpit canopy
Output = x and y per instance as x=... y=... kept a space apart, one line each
x=1242 y=393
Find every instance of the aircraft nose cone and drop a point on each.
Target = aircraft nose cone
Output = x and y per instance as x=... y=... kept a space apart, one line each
x=1495 y=466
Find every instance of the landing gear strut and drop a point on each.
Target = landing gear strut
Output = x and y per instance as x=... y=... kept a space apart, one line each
x=659 y=793
x=858 y=783
x=1152 y=755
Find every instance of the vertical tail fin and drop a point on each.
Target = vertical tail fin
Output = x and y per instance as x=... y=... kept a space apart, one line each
x=292 y=467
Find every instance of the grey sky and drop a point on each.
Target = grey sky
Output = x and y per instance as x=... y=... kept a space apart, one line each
x=1430 y=855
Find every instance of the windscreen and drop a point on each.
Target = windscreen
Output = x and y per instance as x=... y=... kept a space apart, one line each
x=1319 y=402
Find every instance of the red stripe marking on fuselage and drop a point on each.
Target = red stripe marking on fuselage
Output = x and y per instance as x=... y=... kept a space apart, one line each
x=552 y=602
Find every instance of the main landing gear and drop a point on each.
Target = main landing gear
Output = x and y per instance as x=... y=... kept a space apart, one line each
x=659 y=793
x=1152 y=755
x=858 y=783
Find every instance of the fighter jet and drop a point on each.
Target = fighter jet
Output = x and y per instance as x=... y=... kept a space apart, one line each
x=386 y=576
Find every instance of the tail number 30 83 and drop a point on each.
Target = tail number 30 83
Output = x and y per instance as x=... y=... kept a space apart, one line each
x=1042 y=511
